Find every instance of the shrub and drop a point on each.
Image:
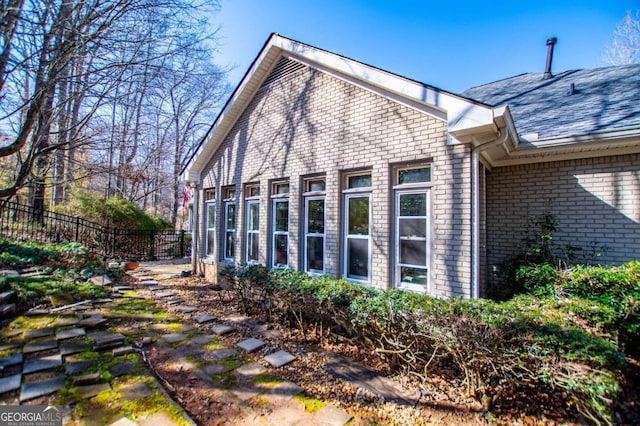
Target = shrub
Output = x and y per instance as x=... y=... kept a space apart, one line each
x=33 y=291
x=493 y=347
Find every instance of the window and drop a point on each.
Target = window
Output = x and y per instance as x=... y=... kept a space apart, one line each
x=280 y=224
x=412 y=224
x=210 y=212
x=252 y=204
x=314 y=236
x=357 y=227
x=228 y=242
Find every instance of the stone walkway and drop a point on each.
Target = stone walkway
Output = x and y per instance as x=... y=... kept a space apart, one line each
x=87 y=357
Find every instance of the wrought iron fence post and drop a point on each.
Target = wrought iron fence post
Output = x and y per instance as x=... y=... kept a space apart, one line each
x=152 y=245
x=77 y=229
x=181 y=243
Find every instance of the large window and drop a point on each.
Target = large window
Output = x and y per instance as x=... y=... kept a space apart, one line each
x=229 y=237
x=357 y=227
x=252 y=204
x=210 y=211
x=412 y=216
x=280 y=224
x=314 y=233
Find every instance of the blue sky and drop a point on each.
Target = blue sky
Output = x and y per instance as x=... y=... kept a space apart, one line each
x=453 y=45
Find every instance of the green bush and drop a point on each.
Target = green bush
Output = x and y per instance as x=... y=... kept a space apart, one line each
x=115 y=212
x=33 y=291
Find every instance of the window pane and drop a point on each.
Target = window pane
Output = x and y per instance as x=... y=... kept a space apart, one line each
x=228 y=253
x=315 y=255
x=280 y=250
x=209 y=194
x=315 y=217
x=413 y=204
x=282 y=216
x=254 y=217
x=413 y=252
x=413 y=228
x=419 y=175
x=252 y=246
x=231 y=216
x=358 y=216
x=413 y=276
x=281 y=188
x=315 y=185
x=358 y=258
x=359 y=181
x=211 y=240
x=211 y=215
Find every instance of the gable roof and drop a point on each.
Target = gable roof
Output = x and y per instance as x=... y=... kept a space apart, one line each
x=464 y=116
x=603 y=100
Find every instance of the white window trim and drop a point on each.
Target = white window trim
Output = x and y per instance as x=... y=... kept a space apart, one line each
x=248 y=203
x=363 y=192
x=317 y=196
x=418 y=288
x=210 y=204
x=279 y=198
x=228 y=202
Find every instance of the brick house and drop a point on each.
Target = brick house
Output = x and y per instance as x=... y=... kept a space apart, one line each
x=326 y=165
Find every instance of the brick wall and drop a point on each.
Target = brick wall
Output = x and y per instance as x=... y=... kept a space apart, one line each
x=310 y=122
x=596 y=202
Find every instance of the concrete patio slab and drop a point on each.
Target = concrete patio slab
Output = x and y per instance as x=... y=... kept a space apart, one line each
x=70 y=334
x=41 y=364
x=39 y=346
x=10 y=383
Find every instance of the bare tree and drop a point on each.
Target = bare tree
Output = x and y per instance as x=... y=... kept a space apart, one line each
x=624 y=48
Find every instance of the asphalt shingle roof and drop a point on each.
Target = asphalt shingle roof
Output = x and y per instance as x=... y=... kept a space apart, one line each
x=606 y=99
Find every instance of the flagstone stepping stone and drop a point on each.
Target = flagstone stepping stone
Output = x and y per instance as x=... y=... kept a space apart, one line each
x=330 y=415
x=145 y=278
x=7 y=309
x=280 y=358
x=150 y=282
x=222 y=329
x=250 y=370
x=123 y=368
x=205 y=318
x=286 y=390
x=174 y=337
x=41 y=388
x=187 y=309
x=221 y=354
x=135 y=391
x=14 y=359
x=36 y=312
x=251 y=345
x=79 y=366
x=93 y=322
x=43 y=363
x=10 y=383
x=70 y=334
x=362 y=377
x=102 y=301
x=124 y=422
x=216 y=369
x=86 y=379
x=66 y=322
x=101 y=280
x=10 y=345
x=6 y=296
x=165 y=294
x=39 y=346
x=175 y=301
x=9 y=273
x=106 y=340
x=122 y=287
x=202 y=339
x=155 y=288
x=122 y=350
x=67 y=349
x=187 y=350
x=38 y=332
x=92 y=390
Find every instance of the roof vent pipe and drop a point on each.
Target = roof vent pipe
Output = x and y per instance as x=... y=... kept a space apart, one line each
x=547 y=71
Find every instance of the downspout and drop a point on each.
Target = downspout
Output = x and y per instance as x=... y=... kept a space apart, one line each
x=475 y=208
x=195 y=237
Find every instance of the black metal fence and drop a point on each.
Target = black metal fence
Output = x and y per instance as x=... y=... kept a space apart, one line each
x=24 y=223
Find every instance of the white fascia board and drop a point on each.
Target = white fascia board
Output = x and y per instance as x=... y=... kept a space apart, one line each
x=461 y=113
